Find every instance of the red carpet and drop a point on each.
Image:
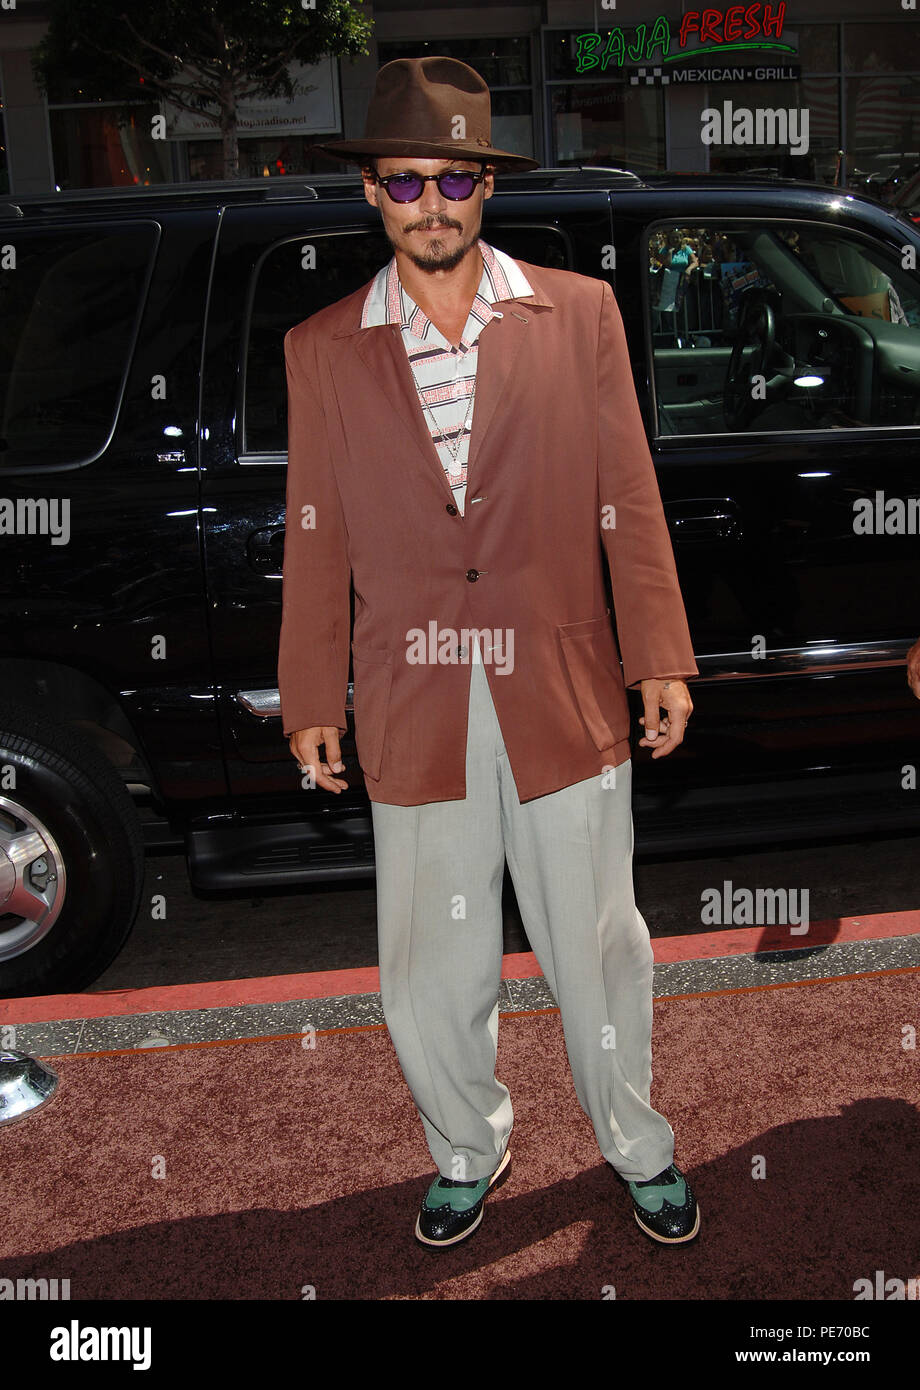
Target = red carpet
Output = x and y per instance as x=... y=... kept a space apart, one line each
x=287 y=1166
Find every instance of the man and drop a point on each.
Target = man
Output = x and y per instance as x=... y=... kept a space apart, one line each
x=464 y=437
x=913 y=668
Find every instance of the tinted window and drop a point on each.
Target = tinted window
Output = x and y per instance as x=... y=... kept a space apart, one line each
x=537 y=245
x=291 y=284
x=70 y=303
x=294 y=280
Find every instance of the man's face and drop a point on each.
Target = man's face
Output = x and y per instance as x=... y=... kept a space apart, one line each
x=434 y=232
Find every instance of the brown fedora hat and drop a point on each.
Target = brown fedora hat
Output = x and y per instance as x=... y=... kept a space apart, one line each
x=432 y=108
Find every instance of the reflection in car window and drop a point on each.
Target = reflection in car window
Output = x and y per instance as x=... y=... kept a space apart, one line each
x=778 y=326
x=853 y=275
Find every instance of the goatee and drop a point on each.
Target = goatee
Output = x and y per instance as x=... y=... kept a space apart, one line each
x=439 y=260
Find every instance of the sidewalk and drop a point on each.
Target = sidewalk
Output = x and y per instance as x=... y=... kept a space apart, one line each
x=728 y=961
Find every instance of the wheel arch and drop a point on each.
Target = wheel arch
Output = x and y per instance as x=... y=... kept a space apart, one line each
x=71 y=696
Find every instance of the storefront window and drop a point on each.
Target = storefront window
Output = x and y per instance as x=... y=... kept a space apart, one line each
x=882 y=47
x=93 y=148
x=265 y=156
x=818 y=46
x=503 y=63
x=816 y=95
x=859 y=84
x=883 y=120
x=608 y=123
x=561 y=54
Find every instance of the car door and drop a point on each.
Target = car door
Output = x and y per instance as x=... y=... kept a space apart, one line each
x=780 y=377
x=102 y=316
x=276 y=263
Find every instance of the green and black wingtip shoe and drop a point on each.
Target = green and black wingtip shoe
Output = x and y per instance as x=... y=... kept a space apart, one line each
x=665 y=1207
x=451 y=1210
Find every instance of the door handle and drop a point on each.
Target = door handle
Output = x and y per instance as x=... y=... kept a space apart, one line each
x=694 y=520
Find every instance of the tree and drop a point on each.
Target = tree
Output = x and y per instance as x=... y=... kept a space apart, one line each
x=203 y=56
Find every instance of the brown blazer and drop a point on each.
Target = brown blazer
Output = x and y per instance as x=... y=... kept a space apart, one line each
x=557 y=440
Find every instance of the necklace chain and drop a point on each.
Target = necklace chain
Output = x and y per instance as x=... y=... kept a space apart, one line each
x=454 y=450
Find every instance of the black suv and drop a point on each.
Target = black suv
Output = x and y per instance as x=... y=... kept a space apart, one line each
x=774 y=329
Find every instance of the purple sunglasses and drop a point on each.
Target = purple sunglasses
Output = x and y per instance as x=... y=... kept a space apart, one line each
x=455 y=184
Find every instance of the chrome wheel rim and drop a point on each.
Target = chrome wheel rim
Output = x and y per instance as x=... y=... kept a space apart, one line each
x=32 y=879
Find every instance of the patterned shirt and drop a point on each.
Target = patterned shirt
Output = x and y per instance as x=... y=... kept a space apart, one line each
x=445 y=375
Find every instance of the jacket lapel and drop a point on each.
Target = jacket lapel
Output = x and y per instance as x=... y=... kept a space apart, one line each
x=500 y=344
x=383 y=355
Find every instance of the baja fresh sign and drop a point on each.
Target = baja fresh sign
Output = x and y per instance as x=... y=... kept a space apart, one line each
x=701 y=33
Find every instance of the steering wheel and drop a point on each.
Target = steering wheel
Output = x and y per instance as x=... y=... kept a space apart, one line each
x=756 y=325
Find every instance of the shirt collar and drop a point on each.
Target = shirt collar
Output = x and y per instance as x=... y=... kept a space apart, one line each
x=388 y=302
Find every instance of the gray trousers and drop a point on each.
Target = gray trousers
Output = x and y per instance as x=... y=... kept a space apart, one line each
x=439 y=884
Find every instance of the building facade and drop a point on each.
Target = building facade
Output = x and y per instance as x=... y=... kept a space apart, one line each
x=827 y=91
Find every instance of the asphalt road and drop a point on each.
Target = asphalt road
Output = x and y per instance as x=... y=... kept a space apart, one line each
x=228 y=936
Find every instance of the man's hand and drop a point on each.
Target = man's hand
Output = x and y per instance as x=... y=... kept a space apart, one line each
x=913 y=668
x=304 y=744
x=664 y=734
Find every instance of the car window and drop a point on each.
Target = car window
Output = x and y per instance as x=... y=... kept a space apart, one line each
x=296 y=278
x=290 y=284
x=547 y=246
x=70 y=303
x=780 y=326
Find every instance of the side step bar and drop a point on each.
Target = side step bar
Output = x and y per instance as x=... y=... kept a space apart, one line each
x=292 y=852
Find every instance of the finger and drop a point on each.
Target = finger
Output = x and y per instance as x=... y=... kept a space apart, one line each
x=663 y=726
x=652 y=716
x=675 y=737
x=321 y=775
x=327 y=773
x=324 y=779
x=306 y=751
x=334 y=757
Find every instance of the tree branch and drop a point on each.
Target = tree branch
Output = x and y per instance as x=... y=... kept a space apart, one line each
x=148 y=43
x=277 y=64
x=250 y=81
x=166 y=85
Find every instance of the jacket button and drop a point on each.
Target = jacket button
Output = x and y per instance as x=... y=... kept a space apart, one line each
x=451 y=508
x=472 y=575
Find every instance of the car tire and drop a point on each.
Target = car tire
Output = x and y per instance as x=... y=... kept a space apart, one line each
x=66 y=914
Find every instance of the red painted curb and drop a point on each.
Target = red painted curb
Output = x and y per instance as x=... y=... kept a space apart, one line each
x=327 y=984
x=734 y=941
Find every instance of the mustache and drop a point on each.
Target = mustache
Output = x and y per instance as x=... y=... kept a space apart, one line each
x=433 y=222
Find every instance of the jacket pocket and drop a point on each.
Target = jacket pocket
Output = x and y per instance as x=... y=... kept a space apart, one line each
x=593 y=664
x=373 y=677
